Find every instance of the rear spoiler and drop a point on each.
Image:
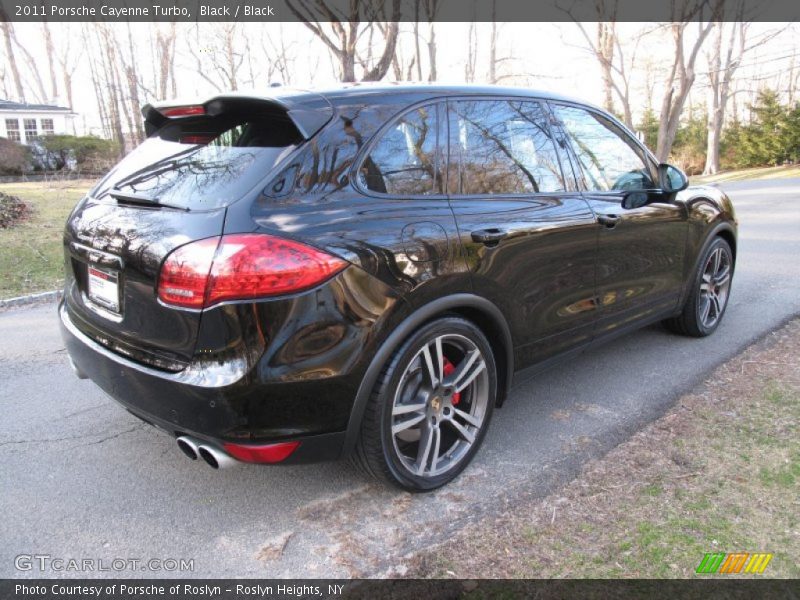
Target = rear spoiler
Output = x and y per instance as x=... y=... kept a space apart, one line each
x=308 y=111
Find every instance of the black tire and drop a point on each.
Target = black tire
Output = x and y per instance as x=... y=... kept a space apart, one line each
x=378 y=450
x=691 y=321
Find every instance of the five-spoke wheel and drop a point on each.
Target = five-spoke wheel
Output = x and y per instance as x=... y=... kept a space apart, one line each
x=431 y=406
x=709 y=294
x=716 y=282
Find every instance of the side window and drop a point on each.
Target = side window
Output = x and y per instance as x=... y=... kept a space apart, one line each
x=406 y=160
x=502 y=147
x=608 y=159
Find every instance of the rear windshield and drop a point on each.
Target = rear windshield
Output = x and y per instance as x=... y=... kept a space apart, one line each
x=202 y=163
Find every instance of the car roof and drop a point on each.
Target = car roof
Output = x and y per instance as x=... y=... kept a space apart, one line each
x=363 y=91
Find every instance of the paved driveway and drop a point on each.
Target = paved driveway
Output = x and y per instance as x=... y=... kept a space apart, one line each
x=81 y=478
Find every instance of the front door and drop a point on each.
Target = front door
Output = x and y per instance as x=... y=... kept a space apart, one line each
x=528 y=234
x=641 y=232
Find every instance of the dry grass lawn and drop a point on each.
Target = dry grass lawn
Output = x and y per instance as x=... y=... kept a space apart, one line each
x=31 y=254
x=720 y=472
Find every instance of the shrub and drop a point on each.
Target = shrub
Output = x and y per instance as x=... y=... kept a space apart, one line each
x=86 y=153
x=14 y=157
x=12 y=210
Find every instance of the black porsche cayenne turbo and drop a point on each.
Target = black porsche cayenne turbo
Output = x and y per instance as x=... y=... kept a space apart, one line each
x=362 y=271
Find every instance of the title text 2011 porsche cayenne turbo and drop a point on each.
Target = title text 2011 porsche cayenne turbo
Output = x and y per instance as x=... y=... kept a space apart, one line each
x=362 y=271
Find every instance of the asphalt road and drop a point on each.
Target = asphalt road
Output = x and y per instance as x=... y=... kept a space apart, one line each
x=83 y=479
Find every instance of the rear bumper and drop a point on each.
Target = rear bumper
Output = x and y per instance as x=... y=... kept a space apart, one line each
x=219 y=402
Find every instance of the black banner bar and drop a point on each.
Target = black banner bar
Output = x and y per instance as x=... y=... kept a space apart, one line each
x=398 y=589
x=401 y=10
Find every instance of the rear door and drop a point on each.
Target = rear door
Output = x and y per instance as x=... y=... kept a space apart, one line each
x=529 y=235
x=173 y=189
x=641 y=233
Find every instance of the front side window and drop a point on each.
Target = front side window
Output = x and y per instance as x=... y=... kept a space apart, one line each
x=406 y=159
x=47 y=127
x=30 y=128
x=12 y=129
x=502 y=147
x=610 y=161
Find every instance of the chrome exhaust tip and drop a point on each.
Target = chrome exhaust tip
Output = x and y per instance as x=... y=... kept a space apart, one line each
x=78 y=373
x=189 y=446
x=215 y=457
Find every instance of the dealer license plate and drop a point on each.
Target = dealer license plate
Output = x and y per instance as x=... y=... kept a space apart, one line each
x=104 y=287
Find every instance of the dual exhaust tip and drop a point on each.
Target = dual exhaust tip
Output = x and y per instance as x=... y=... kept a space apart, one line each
x=214 y=457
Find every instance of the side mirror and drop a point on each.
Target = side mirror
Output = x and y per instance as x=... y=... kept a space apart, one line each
x=672 y=179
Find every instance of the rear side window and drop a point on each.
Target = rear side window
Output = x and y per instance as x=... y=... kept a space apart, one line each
x=203 y=163
x=502 y=147
x=609 y=159
x=406 y=159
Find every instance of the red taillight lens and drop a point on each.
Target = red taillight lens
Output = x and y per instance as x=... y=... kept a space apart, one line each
x=184 y=275
x=182 y=111
x=271 y=453
x=240 y=267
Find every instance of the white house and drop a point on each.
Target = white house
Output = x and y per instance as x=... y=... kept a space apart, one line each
x=23 y=123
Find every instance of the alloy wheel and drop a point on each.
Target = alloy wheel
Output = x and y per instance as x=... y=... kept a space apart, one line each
x=440 y=405
x=714 y=287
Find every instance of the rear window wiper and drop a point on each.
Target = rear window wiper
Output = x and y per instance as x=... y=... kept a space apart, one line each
x=141 y=199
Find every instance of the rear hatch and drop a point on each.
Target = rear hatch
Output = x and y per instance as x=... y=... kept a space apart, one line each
x=173 y=189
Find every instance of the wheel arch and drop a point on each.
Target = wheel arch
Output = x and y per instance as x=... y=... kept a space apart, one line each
x=722 y=230
x=480 y=311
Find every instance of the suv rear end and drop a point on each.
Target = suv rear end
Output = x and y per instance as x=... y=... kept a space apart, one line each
x=195 y=319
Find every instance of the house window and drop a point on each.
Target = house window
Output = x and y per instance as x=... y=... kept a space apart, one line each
x=12 y=129
x=47 y=126
x=30 y=128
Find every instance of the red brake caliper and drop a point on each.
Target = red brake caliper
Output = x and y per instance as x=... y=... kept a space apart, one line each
x=449 y=368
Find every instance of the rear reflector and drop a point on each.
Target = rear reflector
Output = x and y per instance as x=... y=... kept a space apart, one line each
x=271 y=453
x=182 y=111
x=241 y=267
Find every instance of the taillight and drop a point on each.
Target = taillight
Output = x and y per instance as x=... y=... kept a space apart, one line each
x=270 y=453
x=240 y=267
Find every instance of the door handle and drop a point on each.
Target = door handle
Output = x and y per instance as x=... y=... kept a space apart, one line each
x=489 y=236
x=609 y=221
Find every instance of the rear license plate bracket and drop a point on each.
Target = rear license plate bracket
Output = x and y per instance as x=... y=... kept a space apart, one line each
x=103 y=287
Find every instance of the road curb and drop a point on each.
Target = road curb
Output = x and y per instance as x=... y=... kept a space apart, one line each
x=31 y=299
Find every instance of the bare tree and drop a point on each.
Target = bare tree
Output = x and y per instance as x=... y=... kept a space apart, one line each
x=8 y=37
x=472 y=53
x=495 y=61
x=51 y=62
x=603 y=44
x=165 y=59
x=431 y=8
x=405 y=65
x=217 y=55
x=68 y=58
x=726 y=53
x=681 y=74
x=33 y=69
x=129 y=68
x=341 y=33
x=282 y=55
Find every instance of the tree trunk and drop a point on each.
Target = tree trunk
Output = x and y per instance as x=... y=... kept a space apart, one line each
x=432 y=51
x=493 y=46
x=606 y=33
x=678 y=85
x=417 y=50
x=8 y=33
x=51 y=63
